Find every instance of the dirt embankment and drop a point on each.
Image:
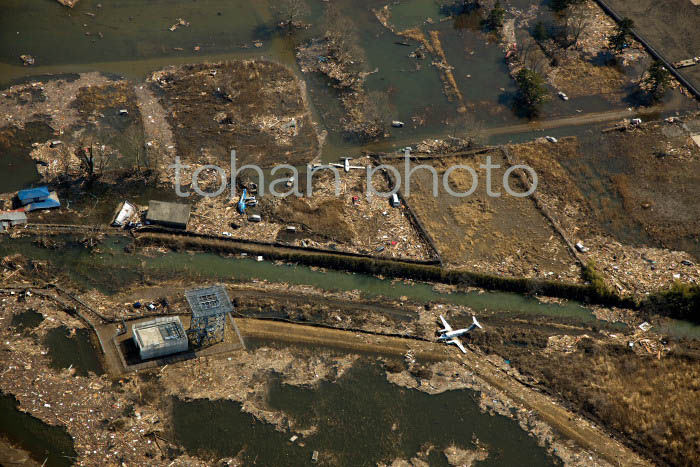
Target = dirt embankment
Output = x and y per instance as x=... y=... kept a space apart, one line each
x=530 y=344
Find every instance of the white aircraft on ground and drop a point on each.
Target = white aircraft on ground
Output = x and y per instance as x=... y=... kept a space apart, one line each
x=451 y=336
x=346 y=164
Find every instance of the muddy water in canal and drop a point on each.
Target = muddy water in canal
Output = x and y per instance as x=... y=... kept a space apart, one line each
x=361 y=419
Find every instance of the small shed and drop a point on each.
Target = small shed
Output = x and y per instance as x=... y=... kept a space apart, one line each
x=33 y=195
x=12 y=218
x=172 y=215
x=159 y=337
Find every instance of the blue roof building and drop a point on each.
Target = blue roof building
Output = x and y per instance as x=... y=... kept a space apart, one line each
x=33 y=195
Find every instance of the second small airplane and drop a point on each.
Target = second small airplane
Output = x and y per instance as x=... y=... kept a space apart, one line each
x=451 y=336
x=346 y=164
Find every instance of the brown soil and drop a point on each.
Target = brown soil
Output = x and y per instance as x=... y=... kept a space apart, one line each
x=247 y=106
x=326 y=219
x=501 y=235
x=670 y=27
x=604 y=188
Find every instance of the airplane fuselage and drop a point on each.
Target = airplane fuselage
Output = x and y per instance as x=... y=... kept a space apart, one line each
x=455 y=333
x=452 y=334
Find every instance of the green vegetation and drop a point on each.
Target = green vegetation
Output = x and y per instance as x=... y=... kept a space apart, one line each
x=618 y=41
x=657 y=80
x=681 y=301
x=532 y=91
x=596 y=281
x=495 y=17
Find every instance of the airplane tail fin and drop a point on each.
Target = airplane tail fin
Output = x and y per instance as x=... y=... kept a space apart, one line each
x=476 y=323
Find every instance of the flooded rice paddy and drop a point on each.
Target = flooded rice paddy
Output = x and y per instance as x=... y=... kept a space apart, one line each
x=359 y=409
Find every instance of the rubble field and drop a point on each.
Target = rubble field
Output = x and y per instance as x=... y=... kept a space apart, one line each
x=137 y=405
x=348 y=222
x=495 y=235
x=255 y=107
x=627 y=196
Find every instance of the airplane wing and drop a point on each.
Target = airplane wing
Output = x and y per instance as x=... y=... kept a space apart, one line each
x=356 y=167
x=336 y=165
x=444 y=323
x=458 y=343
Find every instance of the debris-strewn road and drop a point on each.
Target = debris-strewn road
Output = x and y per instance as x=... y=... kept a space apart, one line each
x=564 y=421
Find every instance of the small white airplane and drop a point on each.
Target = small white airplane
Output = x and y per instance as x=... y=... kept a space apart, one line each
x=451 y=336
x=346 y=164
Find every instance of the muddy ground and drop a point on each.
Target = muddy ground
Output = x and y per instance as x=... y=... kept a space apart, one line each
x=350 y=221
x=628 y=195
x=670 y=27
x=497 y=235
x=257 y=108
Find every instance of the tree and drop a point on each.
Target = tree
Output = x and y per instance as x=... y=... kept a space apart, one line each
x=540 y=32
x=290 y=12
x=618 y=40
x=532 y=91
x=577 y=21
x=561 y=5
x=657 y=80
x=496 y=16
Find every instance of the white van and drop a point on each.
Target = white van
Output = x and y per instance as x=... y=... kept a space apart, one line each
x=395 y=203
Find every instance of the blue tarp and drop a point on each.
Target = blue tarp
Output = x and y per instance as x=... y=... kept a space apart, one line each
x=33 y=195
x=49 y=203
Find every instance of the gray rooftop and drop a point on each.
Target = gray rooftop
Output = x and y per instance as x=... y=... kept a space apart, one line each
x=159 y=331
x=170 y=214
x=209 y=301
x=13 y=216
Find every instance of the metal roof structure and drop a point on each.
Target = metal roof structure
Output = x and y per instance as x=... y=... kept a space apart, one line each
x=47 y=203
x=210 y=306
x=208 y=301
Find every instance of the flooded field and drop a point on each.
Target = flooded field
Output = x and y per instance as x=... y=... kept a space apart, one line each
x=73 y=350
x=131 y=39
x=361 y=408
x=46 y=443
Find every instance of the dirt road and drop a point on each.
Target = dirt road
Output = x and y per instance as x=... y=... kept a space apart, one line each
x=577 y=120
x=562 y=420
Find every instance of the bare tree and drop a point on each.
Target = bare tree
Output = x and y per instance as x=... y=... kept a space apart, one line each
x=577 y=21
x=93 y=158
